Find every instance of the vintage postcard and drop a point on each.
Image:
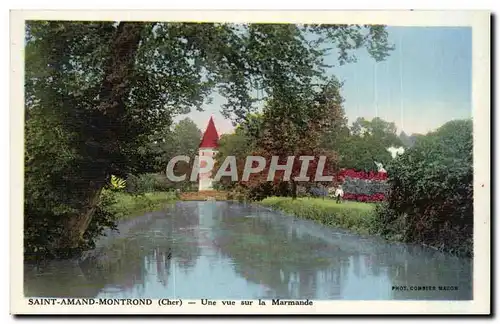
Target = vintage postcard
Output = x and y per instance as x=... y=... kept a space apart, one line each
x=265 y=162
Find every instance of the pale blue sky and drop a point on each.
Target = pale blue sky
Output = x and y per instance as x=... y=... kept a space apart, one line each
x=425 y=82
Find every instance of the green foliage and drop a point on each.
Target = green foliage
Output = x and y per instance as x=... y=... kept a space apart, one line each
x=97 y=92
x=186 y=138
x=140 y=184
x=148 y=182
x=431 y=196
x=103 y=219
x=48 y=158
x=65 y=98
x=117 y=183
x=294 y=124
x=383 y=131
x=237 y=195
x=359 y=217
x=126 y=205
x=363 y=143
x=360 y=152
x=181 y=139
x=41 y=231
x=240 y=144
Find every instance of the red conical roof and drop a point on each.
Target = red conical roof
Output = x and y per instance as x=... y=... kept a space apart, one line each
x=210 y=137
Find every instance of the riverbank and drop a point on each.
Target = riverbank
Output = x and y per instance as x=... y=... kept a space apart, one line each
x=204 y=195
x=355 y=216
x=127 y=206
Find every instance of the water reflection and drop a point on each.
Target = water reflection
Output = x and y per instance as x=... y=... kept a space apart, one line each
x=222 y=250
x=285 y=261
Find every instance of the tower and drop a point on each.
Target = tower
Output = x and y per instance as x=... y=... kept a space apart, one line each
x=208 y=148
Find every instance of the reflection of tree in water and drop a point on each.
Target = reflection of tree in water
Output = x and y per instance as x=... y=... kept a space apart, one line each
x=183 y=230
x=169 y=240
x=265 y=250
x=120 y=265
x=142 y=261
x=159 y=264
x=126 y=263
x=58 y=279
x=291 y=264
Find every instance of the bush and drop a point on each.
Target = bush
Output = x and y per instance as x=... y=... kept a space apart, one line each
x=430 y=199
x=148 y=182
x=236 y=195
x=126 y=205
x=45 y=229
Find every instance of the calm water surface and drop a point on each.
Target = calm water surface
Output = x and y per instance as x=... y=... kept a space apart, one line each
x=223 y=250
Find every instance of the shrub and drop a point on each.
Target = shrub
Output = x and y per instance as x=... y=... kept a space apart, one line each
x=125 y=205
x=148 y=182
x=236 y=195
x=430 y=199
x=161 y=183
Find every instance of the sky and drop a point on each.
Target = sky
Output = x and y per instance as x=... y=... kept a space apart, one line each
x=425 y=82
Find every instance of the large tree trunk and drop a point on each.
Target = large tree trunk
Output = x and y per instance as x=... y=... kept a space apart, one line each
x=76 y=226
x=115 y=88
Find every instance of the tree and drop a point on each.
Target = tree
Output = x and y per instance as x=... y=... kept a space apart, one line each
x=431 y=196
x=95 y=129
x=366 y=142
x=361 y=153
x=385 y=132
x=186 y=138
x=181 y=139
x=295 y=126
x=99 y=90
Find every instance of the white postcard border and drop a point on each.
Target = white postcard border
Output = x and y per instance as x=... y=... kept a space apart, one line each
x=479 y=21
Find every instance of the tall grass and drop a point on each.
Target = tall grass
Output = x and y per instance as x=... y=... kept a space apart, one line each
x=126 y=205
x=355 y=216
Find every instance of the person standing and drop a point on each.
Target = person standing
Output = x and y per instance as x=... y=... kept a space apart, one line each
x=339 y=193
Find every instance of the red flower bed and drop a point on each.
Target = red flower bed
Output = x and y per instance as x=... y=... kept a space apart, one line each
x=365 y=198
x=363 y=175
x=371 y=175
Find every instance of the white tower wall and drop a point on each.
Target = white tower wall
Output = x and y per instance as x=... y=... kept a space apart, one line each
x=206 y=178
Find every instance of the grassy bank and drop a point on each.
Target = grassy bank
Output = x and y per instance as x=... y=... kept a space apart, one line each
x=127 y=205
x=355 y=216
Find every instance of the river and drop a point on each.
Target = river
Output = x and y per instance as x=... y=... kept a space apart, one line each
x=226 y=250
